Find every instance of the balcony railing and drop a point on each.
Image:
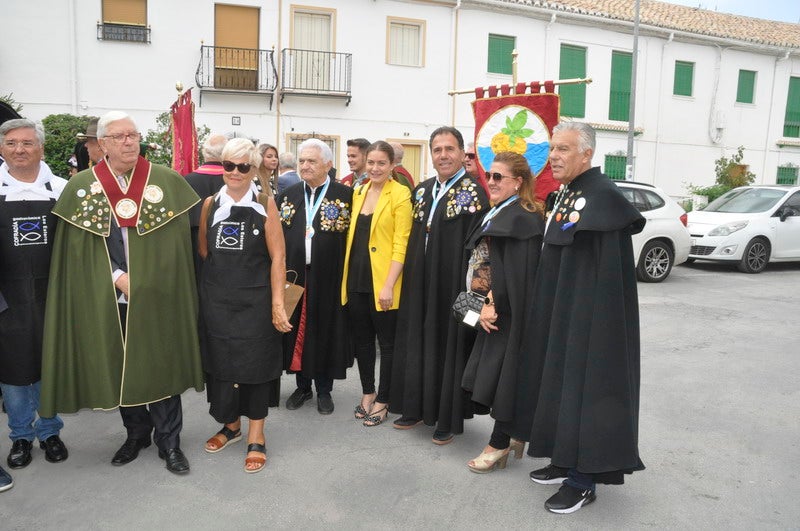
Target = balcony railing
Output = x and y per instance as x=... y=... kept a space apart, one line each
x=239 y=70
x=123 y=32
x=315 y=73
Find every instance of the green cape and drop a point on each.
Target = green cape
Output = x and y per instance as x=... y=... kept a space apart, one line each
x=85 y=361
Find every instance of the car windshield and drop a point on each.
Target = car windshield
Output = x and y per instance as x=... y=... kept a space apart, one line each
x=746 y=200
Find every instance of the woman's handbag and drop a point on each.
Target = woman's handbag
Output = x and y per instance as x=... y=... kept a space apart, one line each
x=467 y=308
x=292 y=294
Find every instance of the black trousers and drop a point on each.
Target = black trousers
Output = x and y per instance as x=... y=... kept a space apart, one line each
x=324 y=385
x=499 y=440
x=368 y=323
x=164 y=419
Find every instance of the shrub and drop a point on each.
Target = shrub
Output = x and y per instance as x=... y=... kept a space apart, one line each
x=730 y=173
x=59 y=140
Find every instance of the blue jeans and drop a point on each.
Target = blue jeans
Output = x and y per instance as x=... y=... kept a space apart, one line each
x=21 y=402
x=579 y=481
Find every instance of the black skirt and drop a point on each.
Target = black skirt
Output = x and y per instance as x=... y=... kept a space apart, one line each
x=231 y=400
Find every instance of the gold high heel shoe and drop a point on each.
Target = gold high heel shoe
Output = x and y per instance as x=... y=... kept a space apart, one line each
x=486 y=462
x=516 y=447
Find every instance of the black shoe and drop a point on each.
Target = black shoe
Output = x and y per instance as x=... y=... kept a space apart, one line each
x=5 y=480
x=54 y=449
x=406 y=423
x=568 y=499
x=129 y=451
x=324 y=404
x=176 y=461
x=298 y=398
x=442 y=437
x=549 y=475
x=20 y=454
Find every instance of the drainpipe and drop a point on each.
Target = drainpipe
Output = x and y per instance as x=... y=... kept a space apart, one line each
x=73 y=59
x=778 y=59
x=454 y=52
x=546 y=42
x=276 y=95
x=715 y=125
x=659 y=106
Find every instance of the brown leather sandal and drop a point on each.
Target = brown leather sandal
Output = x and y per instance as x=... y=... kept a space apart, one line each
x=222 y=438
x=260 y=461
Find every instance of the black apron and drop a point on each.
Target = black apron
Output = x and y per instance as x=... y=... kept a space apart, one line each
x=236 y=300
x=27 y=229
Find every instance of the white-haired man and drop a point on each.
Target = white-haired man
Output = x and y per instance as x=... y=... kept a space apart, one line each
x=287 y=171
x=315 y=218
x=585 y=324
x=121 y=329
x=28 y=191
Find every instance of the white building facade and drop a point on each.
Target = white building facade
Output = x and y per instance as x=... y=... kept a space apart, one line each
x=281 y=71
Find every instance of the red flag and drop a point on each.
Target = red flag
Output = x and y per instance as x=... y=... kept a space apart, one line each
x=184 y=134
x=522 y=123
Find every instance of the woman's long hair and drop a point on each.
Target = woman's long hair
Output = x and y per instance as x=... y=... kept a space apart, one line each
x=519 y=168
x=267 y=180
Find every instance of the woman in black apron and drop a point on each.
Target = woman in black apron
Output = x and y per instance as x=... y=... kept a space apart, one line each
x=241 y=297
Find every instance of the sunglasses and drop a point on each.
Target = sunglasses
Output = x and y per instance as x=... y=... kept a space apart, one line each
x=243 y=167
x=496 y=177
x=470 y=156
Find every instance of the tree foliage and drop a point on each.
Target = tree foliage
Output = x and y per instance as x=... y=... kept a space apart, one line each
x=9 y=99
x=60 y=131
x=730 y=174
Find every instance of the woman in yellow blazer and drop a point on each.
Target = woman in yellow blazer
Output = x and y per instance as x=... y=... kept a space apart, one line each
x=373 y=265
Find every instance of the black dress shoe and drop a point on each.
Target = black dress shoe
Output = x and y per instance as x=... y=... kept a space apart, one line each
x=176 y=461
x=324 y=404
x=20 y=454
x=298 y=398
x=54 y=449
x=442 y=437
x=129 y=451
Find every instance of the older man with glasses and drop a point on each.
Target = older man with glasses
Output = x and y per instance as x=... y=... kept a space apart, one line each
x=121 y=329
x=28 y=191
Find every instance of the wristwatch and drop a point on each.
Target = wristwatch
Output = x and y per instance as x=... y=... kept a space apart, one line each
x=488 y=301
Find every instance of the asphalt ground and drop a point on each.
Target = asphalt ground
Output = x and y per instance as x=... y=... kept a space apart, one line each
x=718 y=433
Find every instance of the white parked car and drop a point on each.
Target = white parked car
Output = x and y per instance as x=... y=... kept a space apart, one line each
x=664 y=241
x=749 y=226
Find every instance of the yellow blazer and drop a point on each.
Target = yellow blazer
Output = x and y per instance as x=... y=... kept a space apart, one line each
x=388 y=236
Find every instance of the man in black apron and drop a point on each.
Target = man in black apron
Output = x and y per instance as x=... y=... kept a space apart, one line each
x=28 y=191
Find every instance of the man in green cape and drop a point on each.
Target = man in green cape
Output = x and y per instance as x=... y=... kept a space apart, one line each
x=121 y=321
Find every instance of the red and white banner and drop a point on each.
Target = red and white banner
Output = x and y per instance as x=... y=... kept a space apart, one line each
x=184 y=134
x=522 y=123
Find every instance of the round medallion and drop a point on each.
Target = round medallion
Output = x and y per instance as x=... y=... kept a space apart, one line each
x=126 y=208
x=81 y=193
x=574 y=217
x=153 y=194
x=96 y=188
x=580 y=203
x=255 y=232
x=558 y=217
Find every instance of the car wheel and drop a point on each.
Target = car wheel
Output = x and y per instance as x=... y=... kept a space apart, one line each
x=755 y=256
x=655 y=262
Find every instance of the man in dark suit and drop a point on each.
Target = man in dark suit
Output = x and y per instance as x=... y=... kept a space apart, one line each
x=287 y=171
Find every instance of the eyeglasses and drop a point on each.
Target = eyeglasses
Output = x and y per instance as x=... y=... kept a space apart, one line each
x=496 y=177
x=24 y=144
x=243 y=167
x=122 y=138
x=470 y=156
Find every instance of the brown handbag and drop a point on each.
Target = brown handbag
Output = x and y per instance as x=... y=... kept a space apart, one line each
x=292 y=294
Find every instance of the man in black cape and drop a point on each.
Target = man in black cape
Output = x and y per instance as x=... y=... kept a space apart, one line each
x=585 y=330
x=315 y=215
x=431 y=348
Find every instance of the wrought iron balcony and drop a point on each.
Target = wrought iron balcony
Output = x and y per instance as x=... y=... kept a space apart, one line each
x=236 y=70
x=108 y=31
x=316 y=73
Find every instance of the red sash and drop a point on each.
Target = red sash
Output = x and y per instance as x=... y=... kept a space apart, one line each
x=124 y=205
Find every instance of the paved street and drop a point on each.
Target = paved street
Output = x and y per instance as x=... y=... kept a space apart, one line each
x=719 y=434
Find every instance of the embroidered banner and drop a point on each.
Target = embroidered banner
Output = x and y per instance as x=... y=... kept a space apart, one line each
x=184 y=134
x=522 y=123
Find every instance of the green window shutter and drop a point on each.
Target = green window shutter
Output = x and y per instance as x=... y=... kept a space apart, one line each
x=573 y=65
x=746 y=86
x=500 y=59
x=684 y=72
x=614 y=166
x=791 y=124
x=786 y=175
x=619 y=99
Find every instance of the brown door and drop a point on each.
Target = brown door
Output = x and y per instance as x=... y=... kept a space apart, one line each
x=236 y=47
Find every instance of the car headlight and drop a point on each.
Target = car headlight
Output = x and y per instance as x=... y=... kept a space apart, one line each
x=728 y=228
